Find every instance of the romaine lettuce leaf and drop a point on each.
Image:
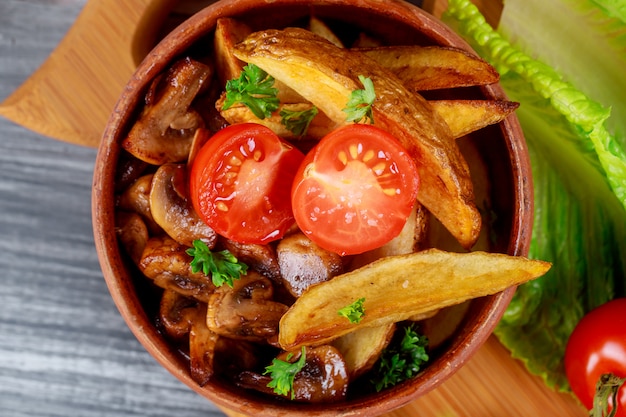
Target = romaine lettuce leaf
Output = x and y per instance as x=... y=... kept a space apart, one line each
x=579 y=172
x=585 y=41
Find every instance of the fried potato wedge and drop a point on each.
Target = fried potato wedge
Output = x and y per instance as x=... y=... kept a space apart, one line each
x=326 y=75
x=398 y=287
x=441 y=325
x=362 y=348
x=228 y=33
x=462 y=116
x=412 y=237
x=423 y=68
x=467 y=116
x=320 y=28
x=239 y=113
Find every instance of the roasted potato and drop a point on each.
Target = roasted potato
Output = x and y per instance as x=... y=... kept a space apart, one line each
x=399 y=281
x=297 y=56
x=319 y=127
x=362 y=348
x=423 y=68
x=467 y=116
x=462 y=116
x=417 y=283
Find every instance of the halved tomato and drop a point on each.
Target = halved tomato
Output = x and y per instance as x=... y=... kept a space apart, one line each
x=240 y=183
x=355 y=190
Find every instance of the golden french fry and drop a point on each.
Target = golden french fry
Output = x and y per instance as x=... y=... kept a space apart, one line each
x=398 y=287
x=423 y=68
x=326 y=76
x=467 y=116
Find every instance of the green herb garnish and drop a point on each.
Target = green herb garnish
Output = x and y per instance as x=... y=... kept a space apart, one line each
x=353 y=312
x=297 y=122
x=223 y=266
x=283 y=373
x=254 y=88
x=400 y=362
x=359 y=106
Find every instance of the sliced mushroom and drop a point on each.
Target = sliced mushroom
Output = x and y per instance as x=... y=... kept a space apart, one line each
x=128 y=170
x=323 y=379
x=177 y=313
x=165 y=262
x=303 y=263
x=164 y=131
x=261 y=258
x=137 y=198
x=172 y=210
x=233 y=356
x=132 y=233
x=247 y=310
x=202 y=349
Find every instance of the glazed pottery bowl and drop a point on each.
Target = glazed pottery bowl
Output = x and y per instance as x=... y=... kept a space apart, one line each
x=498 y=160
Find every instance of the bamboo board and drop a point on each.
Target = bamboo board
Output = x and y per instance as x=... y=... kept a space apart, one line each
x=70 y=97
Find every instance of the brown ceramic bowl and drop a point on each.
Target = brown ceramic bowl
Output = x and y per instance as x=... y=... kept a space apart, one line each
x=499 y=164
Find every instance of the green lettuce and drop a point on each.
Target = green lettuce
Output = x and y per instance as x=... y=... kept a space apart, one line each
x=572 y=111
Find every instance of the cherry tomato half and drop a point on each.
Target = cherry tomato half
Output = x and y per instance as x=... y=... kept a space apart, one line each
x=598 y=346
x=240 y=183
x=354 y=190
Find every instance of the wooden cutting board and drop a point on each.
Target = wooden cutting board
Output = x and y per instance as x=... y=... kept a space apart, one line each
x=70 y=97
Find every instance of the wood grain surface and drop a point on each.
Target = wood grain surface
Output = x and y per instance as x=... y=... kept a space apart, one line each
x=64 y=349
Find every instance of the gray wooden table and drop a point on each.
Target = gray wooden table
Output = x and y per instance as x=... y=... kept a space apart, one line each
x=64 y=349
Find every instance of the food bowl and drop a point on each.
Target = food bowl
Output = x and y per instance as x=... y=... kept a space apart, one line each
x=498 y=161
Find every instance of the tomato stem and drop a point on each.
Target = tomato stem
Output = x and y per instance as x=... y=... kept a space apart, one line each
x=607 y=387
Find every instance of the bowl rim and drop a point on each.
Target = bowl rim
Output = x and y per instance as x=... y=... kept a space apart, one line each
x=120 y=284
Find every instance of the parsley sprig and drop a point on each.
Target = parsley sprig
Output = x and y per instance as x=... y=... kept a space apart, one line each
x=400 y=362
x=223 y=266
x=297 y=122
x=283 y=373
x=255 y=89
x=353 y=312
x=359 y=106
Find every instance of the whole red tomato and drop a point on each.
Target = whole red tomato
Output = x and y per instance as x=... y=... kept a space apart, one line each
x=597 y=346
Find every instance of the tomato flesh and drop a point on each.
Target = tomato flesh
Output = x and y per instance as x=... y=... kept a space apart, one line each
x=354 y=190
x=240 y=183
x=598 y=346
